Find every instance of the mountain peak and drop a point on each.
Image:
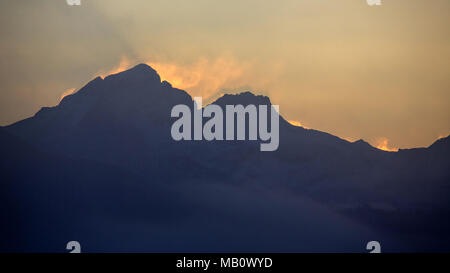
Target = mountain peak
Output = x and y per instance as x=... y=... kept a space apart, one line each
x=137 y=73
x=143 y=68
x=363 y=144
x=244 y=98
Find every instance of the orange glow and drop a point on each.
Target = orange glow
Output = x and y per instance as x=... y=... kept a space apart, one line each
x=66 y=93
x=180 y=77
x=383 y=145
x=297 y=123
x=349 y=139
x=205 y=77
x=122 y=66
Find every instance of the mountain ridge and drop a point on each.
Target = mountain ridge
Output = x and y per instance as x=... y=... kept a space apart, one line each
x=143 y=75
x=105 y=156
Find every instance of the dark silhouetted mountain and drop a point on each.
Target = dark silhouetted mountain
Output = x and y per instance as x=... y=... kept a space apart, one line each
x=245 y=98
x=101 y=167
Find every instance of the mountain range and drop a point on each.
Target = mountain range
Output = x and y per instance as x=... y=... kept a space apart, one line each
x=101 y=168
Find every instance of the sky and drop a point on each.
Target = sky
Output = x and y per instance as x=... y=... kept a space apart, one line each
x=378 y=73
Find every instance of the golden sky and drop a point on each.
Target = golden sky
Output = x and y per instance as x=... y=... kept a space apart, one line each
x=377 y=73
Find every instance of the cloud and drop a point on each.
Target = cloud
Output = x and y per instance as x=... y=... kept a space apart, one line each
x=206 y=77
x=383 y=144
x=124 y=64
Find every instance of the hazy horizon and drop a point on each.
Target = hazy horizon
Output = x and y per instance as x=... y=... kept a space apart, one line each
x=375 y=73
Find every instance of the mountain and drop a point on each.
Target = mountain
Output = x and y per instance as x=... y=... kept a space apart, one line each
x=103 y=162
